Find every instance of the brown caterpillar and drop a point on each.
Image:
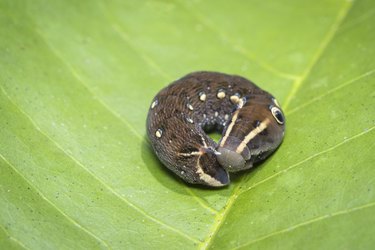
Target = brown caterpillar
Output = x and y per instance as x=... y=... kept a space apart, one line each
x=250 y=120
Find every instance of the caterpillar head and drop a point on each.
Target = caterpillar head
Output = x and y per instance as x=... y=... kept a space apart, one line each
x=254 y=132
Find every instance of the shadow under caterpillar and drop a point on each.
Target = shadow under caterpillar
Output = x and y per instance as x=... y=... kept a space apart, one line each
x=250 y=119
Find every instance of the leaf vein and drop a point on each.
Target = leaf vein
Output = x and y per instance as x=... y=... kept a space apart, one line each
x=237 y=48
x=309 y=158
x=320 y=50
x=77 y=76
x=114 y=113
x=124 y=36
x=130 y=204
x=201 y=202
x=237 y=192
x=120 y=31
x=18 y=242
x=70 y=219
x=220 y=217
x=308 y=222
x=331 y=91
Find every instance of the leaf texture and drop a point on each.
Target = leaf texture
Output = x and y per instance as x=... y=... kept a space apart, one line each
x=77 y=79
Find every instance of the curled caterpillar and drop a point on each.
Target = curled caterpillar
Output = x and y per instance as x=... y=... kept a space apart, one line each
x=250 y=119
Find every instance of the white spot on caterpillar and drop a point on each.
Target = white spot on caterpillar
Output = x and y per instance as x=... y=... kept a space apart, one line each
x=158 y=133
x=276 y=102
x=220 y=94
x=190 y=107
x=202 y=96
x=226 y=117
x=204 y=116
x=189 y=120
x=203 y=141
x=182 y=172
x=215 y=152
x=153 y=105
x=170 y=141
x=216 y=114
x=235 y=99
x=241 y=102
x=262 y=126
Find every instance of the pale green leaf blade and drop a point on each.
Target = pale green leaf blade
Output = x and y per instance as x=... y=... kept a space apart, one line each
x=77 y=79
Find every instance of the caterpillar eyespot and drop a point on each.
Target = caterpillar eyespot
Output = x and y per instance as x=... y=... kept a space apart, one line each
x=250 y=119
x=278 y=115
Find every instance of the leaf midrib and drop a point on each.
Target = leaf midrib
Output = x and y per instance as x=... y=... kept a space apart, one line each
x=342 y=14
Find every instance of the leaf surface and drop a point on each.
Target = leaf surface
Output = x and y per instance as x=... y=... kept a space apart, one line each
x=77 y=79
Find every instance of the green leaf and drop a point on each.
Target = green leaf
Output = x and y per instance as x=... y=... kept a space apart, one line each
x=77 y=79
